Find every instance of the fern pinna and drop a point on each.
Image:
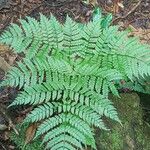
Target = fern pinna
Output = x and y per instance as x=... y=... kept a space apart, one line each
x=67 y=73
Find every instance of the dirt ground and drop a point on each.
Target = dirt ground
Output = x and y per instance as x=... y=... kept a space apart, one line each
x=129 y=14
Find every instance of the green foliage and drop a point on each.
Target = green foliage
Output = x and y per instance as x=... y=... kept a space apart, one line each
x=19 y=140
x=68 y=72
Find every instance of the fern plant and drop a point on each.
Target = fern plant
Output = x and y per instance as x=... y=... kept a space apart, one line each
x=67 y=73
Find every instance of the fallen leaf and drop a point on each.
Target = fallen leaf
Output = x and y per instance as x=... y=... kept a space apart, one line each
x=4 y=49
x=143 y=34
x=35 y=1
x=30 y=132
x=4 y=65
x=130 y=142
x=117 y=5
x=11 y=58
x=121 y=5
x=92 y=2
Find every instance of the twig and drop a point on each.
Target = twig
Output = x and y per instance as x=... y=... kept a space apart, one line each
x=146 y=108
x=54 y=5
x=13 y=126
x=131 y=11
x=3 y=146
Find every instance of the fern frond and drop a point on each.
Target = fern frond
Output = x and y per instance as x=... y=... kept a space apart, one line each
x=51 y=31
x=13 y=36
x=82 y=138
x=125 y=54
x=55 y=142
x=129 y=66
x=47 y=92
x=91 y=32
x=33 y=36
x=31 y=72
x=42 y=112
x=73 y=120
x=72 y=39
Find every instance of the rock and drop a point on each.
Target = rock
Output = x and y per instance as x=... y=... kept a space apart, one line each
x=133 y=135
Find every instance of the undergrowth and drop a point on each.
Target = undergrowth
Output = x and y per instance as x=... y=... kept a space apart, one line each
x=20 y=140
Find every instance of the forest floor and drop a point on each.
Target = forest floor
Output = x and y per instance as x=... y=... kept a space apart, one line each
x=133 y=15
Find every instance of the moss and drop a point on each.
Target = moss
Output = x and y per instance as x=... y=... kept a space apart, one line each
x=133 y=134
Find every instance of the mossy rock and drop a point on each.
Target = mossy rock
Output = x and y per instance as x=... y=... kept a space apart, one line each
x=134 y=134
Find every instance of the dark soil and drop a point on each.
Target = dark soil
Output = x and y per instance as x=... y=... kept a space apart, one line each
x=129 y=14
